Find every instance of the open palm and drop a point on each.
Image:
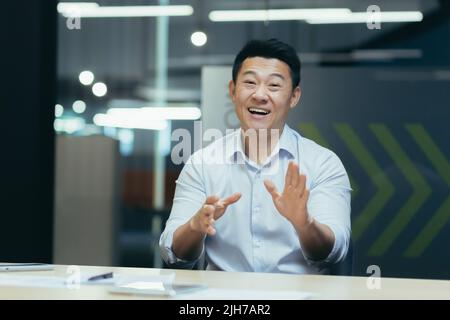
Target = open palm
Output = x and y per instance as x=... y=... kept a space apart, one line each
x=292 y=202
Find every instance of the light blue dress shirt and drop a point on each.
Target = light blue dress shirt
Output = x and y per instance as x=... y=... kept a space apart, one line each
x=252 y=235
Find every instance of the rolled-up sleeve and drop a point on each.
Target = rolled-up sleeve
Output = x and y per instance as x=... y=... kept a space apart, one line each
x=189 y=197
x=329 y=204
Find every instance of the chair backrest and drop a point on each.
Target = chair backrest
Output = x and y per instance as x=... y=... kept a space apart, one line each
x=345 y=267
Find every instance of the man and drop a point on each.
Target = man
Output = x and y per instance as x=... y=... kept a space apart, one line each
x=282 y=208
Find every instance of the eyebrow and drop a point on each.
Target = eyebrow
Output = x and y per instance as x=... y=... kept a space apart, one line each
x=275 y=74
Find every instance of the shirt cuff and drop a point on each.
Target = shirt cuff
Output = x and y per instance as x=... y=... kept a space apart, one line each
x=336 y=251
x=169 y=256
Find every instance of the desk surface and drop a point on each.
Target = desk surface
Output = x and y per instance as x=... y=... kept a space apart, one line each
x=325 y=287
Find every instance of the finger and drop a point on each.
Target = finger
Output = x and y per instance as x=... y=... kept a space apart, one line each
x=288 y=177
x=222 y=205
x=232 y=199
x=202 y=218
x=208 y=210
x=211 y=231
x=305 y=195
x=301 y=186
x=295 y=175
x=212 y=199
x=304 y=198
x=208 y=222
x=291 y=171
x=272 y=189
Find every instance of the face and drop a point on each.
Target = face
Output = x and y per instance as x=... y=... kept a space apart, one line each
x=263 y=93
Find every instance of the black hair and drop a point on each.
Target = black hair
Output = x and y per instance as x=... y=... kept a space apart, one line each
x=271 y=48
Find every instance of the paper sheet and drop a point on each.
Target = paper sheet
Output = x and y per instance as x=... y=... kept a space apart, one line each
x=65 y=282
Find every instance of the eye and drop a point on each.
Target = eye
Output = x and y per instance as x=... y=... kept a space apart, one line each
x=274 y=86
x=249 y=82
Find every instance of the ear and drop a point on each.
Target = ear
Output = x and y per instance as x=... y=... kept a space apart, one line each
x=231 y=89
x=296 y=94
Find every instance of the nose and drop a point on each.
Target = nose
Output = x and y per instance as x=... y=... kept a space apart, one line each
x=260 y=94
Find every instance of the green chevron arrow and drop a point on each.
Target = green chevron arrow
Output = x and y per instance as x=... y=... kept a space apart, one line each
x=421 y=190
x=311 y=132
x=378 y=177
x=442 y=215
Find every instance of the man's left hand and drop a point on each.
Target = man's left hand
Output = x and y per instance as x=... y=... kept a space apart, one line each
x=292 y=202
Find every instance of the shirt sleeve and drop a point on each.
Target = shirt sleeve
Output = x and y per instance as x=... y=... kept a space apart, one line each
x=329 y=203
x=189 y=197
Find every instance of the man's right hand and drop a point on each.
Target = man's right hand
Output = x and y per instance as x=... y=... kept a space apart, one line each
x=213 y=208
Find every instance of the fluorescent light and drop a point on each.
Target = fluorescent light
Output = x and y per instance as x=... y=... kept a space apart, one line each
x=130 y=122
x=59 y=110
x=315 y=16
x=79 y=106
x=385 y=54
x=150 y=118
x=274 y=14
x=162 y=113
x=199 y=38
x=174 y=113
x=368 y=17
x=86 y=77
x=93 y=11
x=99 y=89
x=69 y=125
x=69 y=7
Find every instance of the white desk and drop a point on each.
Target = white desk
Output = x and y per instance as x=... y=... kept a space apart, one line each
x=324 y=287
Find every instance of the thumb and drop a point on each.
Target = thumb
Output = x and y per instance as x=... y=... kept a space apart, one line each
x=232 y=199
x=272 y=189
x=212 y=199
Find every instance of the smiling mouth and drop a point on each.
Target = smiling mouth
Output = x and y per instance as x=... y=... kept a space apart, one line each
x=258 y=111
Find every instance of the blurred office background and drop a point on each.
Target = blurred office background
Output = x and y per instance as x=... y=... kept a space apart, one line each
x=86 y=180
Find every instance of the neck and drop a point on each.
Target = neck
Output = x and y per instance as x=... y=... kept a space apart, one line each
x=260 y=143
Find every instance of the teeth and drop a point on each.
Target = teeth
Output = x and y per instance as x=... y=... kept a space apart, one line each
x=257 y=110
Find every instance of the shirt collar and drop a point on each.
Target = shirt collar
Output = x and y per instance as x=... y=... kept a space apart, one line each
x=234 y=145
x=287 y=141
